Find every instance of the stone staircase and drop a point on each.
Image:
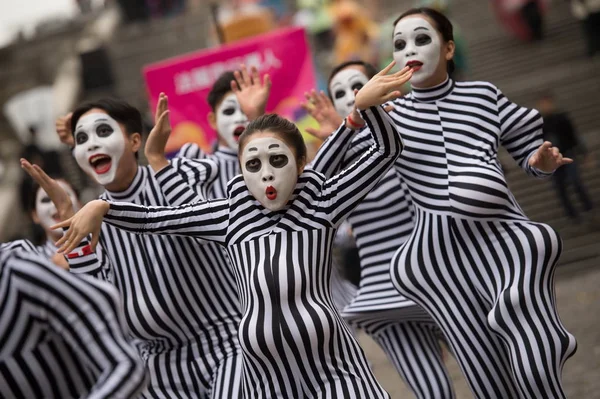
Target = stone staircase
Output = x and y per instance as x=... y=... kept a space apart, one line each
x=522 y=71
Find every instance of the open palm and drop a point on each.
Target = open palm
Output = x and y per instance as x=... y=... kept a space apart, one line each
x=251 y=93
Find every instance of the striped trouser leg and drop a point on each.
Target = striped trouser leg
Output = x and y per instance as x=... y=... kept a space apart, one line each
x=524 y=314
x=416 y=354
x=227 y=381
x=429 y=270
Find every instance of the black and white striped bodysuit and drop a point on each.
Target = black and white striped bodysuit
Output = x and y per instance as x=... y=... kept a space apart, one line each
x=381 y=223
x=228 y=166
x=295 y=344
x=180 y=298
x=61 y=336
x=474 y=261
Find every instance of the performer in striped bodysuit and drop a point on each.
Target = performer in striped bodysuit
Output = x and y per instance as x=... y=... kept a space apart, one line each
x=235 y=99
x=61 y=336
x=278 y=224
x=381 y=223
x=180 y=299
x=44 y=213
x=474 y=261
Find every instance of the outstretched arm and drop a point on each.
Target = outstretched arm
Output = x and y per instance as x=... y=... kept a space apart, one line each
x=522 y=135
x=82 y=260
x=208 y=220
x=342 y=193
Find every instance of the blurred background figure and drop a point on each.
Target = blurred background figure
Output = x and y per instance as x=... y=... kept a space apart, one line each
x=560 y=131
x=522 y=18
x=355 y=32
x=588 y=12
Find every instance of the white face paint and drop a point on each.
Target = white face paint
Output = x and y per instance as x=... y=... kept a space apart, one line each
x=342 y=89
x=270 y=171
x=231 y=121
x=99 y=145
x=45 y=209
x=417 y=44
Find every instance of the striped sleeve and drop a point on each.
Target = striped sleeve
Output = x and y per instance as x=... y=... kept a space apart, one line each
x=82 y=260
x=85 y=315
x=332 y=153
x=17 y=245
x=184 y=181
x=343 y=192
x=208 y=220
x=520 y=132
x=191 y=151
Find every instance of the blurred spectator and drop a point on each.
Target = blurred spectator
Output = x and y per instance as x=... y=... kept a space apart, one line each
x=134 y=10
x=588 y=12
x=559 y=130
x=314 y=16
x=523 y=18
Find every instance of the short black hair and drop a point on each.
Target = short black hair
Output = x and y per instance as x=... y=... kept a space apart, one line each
x=119 y=110
x=283 y=128
x=220 y=88
x=443 y=26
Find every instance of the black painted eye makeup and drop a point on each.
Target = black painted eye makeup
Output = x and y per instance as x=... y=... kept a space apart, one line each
x=104 y=130
x=81 y=137
x=278 y=161
x=253 y=165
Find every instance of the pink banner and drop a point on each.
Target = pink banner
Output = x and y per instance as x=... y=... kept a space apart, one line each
x=186 y=80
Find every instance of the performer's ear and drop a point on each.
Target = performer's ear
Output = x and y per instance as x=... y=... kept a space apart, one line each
x=136 y=141
x=212 y=120
x=450 y=48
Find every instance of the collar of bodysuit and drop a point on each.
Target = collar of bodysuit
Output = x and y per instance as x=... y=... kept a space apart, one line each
x=435 y=93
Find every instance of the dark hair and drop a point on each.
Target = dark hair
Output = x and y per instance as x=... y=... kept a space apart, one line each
x=443 y=26
x=286 y=130
x=369 y=69
x=220 y=89
x=119 y=110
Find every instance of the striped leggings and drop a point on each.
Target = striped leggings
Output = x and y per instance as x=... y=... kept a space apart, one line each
x=183 y=374
x=410 y=339
x=490 y=287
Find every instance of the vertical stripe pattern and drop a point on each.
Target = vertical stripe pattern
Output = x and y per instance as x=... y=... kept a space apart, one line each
x=179 y=295
x=474 y=261
x=295 y=344
x=381 y=224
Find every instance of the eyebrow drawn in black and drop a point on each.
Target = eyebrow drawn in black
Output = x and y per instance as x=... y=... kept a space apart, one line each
x=420 y=27
x=273 y=146
x=252 y=149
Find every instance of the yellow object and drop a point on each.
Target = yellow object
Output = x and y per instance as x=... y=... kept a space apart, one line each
x=187 y=132
x=355 y=32
x=244 y=25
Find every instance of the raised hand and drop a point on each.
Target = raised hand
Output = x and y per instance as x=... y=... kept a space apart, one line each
x=159 y=135
x=548 y=158
x=382 y=87
x=320 y=107
x=63 y=129
x=250 y=92
x=57 y=194
x=87 y=221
